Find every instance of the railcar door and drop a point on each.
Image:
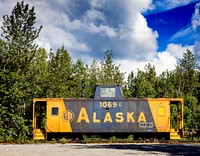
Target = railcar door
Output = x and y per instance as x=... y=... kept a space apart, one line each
x=39 y=118
x=163 y=120
x=39 y=115
x=176 y=109
x=53 y=115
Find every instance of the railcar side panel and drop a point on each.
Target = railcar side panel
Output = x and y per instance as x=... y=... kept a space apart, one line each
x=101 y=116
x=160 y=109
x=107 y=112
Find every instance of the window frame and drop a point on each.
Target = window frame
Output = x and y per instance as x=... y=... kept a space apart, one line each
x=53 y=111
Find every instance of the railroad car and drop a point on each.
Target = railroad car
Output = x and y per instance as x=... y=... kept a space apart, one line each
x=108 y=113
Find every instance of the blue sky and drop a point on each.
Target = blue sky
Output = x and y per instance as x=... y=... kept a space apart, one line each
x=170 y=22
x=138 y=31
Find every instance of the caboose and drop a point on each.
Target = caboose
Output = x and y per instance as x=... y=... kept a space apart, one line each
x=108 y=113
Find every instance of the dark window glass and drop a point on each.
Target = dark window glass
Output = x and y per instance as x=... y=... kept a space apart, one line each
x=54 y=111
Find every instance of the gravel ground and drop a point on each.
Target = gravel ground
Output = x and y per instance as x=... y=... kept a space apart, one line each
x=98 y=149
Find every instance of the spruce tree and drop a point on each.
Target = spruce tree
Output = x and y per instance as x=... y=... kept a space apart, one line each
x=18 y=33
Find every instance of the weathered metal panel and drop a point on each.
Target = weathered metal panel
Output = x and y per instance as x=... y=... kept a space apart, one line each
x=110 y=115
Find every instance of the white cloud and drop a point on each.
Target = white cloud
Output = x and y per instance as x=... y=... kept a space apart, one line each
x=197 y=51
x=196 y=17
x=77 y=33
x=108 y=31
x=111 y=24
x=58 y=36
x=162 y=61
x=96 y=3
x=177 y=50
x=140 y=38
x=175 y=3
x=141 y=6
x=92 y=15
x=170 y=4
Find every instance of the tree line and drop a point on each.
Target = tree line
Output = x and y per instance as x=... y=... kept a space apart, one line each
x=27 y=71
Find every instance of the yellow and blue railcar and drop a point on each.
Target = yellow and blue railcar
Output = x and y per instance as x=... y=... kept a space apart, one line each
x=107 y=112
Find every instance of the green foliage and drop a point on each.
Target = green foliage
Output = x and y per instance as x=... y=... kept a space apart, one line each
x=93 y=76
x=165 y=86
x=38 y=74
x=59 y=74
x=186 y=80
x=79 y=74
x=18 y=27
x=109 y=73
x=18 y=31
x=191 y=112
x=85 y=138
x=143 y=84
x=63 y=141
x=113 y=138
x=17 y=52
x=130 y=137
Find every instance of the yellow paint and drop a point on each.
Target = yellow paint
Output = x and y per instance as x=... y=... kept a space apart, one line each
x=141 y=117
x=83 y=115
x=160 y=110
x=130 y=117
x=57 y=123
x=119 y=117
x=95 y=120
x=108 y=117
x=54 y=123
x=68 y=116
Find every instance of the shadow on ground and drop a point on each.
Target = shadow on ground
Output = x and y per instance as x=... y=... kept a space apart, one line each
x=168 y=149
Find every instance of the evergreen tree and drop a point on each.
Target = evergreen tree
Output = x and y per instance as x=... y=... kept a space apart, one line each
x=186 y=84
x=18 y=51
x=165 y=85
x=79 y=75
x=18 y=31
x=93 y=76
x=59 y=74
x=186 y=75
x=109 y=72
x=143 y=84
x=39 y=74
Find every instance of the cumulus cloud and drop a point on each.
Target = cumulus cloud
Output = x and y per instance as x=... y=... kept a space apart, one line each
x=68 y=39
x=165 y=60
x=196 y=17
x=92 y=15
x=87 y=28
x=177 y=50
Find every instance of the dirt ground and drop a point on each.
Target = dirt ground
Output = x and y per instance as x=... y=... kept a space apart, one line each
x=98 y=149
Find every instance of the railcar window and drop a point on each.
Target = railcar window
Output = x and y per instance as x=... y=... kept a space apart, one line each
x=54 y=111
x=107 y=92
